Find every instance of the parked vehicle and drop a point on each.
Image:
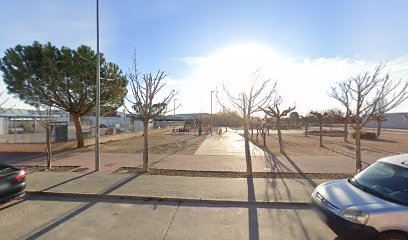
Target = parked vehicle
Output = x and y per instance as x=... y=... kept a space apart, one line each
x=18 y=129
x=12 y=183
x=371 y=205
x=109 y=131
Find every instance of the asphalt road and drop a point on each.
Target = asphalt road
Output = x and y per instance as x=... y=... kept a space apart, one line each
x=39 y=217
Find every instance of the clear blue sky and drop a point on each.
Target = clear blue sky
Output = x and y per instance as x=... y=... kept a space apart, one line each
x=166 y=32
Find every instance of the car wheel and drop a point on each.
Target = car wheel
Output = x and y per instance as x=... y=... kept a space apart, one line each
x=392 y=236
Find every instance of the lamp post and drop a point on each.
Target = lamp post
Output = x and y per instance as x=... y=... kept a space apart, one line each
x=98 y=92
x=174 y=108
x=211 y=113
x=124 y=118
x=174 y=113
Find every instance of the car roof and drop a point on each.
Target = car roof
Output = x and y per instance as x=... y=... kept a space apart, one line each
x=400 y=160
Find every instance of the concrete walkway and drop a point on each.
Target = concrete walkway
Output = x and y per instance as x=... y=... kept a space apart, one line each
x=40 y=217
x=260 y=190
x=229 y=143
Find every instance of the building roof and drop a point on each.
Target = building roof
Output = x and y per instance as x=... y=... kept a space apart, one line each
x=24 y=113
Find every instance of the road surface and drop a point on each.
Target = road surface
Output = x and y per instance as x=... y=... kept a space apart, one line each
x=40 y=217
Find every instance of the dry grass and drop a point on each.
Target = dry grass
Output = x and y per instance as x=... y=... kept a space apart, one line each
x=159 y=143
x=296 y=144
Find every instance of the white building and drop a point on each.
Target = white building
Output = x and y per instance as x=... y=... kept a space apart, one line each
x=27 y=119
x=394 y=120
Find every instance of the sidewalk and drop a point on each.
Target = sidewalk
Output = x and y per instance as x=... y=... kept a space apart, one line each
x=112 y=161
x=256 y=190
x=229 y=143
x=217 y=153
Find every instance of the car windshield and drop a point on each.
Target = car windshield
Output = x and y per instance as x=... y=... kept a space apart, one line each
x=383 y=180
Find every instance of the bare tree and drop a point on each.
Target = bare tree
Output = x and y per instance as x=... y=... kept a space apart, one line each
x=342 y=94
x=321 y=116
x=379 y=116
x=252 y=126
x=269 y=122
x=199 y=121
x=247 y=103
x=337 y=116
x=259 y=122
x=264 y=126
x=307 y=119
x=47 y=123
x=364 y=92
x=276 y=112
x=144 y=104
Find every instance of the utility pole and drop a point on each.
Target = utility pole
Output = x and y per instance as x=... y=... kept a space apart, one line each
x=174 y=108
x=98 y=92
x=211 y=113
x=174 y=114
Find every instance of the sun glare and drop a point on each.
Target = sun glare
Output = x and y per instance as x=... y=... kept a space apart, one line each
x=234 y=65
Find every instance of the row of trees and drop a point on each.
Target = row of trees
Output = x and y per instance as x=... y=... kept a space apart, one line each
x=275 y=118
x=46 y=77
x=364 y=97
x=367 y=96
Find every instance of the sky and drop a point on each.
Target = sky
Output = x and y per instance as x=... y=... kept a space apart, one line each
x=306 y=46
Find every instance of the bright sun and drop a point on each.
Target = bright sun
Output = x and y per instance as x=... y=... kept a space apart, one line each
x=234 y=65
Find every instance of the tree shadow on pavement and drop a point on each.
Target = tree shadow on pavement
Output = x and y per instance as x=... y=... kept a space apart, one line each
x=163 y=159
x=278 y=166
x=67 y=181
x=59 y=221
x=298 y=222
x=278 y=192
x=273 y=161
x=309 y=180
x=253 y=226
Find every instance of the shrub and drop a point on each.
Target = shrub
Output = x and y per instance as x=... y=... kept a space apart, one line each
x=365 y=135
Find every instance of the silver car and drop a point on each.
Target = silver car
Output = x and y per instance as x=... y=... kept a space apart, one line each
x=372 y=205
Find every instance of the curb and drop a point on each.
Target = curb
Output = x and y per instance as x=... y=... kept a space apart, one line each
x=161 y=199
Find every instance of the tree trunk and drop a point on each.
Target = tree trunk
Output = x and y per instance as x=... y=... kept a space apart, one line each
x=247 y=151
x=306 y=129
x=379 y=126
x=267 y=129
x=346 y=130
x=321 y=133
x=358 y=146
x=278 y=126
x=49 y=151
x=252 y=134
x=199 y=128
x=264 y=139
x=145 y=145
x=78 y=129
x=257 y=134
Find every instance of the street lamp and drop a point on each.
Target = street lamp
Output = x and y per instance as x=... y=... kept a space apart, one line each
x=98 y=92
x=174 y=114
x=174 y=108
x=211 y=113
